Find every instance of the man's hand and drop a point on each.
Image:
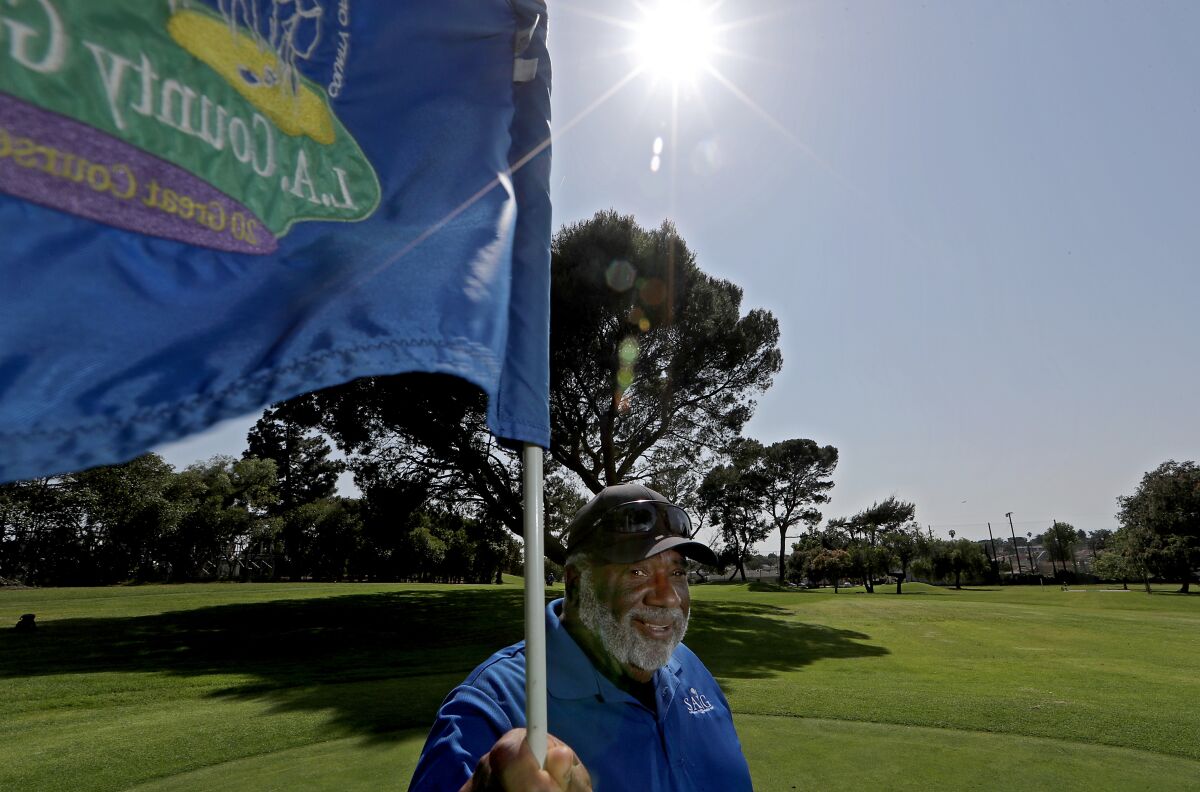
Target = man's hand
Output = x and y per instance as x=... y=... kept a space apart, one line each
x=511 y=767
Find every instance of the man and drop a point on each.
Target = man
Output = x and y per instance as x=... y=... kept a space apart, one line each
x=630 y=706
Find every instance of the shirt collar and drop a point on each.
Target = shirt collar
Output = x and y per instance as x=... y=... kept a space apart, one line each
x=570 y=673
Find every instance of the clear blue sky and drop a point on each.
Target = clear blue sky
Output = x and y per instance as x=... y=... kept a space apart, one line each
x=975 y=221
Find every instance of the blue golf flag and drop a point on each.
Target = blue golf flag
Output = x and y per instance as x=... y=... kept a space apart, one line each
x=210 y=205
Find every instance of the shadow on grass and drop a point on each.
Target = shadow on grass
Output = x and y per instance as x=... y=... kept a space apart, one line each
x=744 y=640
x=378 y=663
x=934 y=591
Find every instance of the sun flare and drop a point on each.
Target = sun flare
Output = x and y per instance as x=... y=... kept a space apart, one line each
x=675 y=39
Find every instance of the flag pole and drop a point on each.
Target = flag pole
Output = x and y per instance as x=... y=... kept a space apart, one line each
x=535 y=603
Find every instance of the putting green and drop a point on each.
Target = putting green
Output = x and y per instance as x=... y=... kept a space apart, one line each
x=808 y=753
x=785 y=754
x=347 y=765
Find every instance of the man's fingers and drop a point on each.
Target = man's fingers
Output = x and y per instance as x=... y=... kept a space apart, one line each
x=565 y=768
x=559 y=760
x=580 y=780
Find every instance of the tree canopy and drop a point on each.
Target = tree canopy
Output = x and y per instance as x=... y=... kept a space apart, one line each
x=1160 y=522
x=651 y=359
x=865 y=530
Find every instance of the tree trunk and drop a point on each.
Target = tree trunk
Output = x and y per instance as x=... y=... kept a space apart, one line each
x=957 y=578
x=1146 y=580
x=782 y=558
x=1186 y=587
x=899 y=581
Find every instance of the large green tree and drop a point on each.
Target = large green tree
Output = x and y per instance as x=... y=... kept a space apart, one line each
x=43 y=536
x=305 y=477
x=865 y=530
x=904 y=543
x=303 y=469
x=129 y=508
x=964 y=557
x=796 y=477
x=651 y=359
x=821 y=554
x=1162 y=519
x=226 y=504
x=733 y=496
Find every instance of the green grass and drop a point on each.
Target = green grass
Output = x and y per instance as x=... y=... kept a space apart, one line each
x=331 y=687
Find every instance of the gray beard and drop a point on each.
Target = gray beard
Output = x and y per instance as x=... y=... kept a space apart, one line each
x=620 y=638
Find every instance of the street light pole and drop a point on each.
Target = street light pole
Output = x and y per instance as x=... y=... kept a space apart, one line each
x=1016 y=547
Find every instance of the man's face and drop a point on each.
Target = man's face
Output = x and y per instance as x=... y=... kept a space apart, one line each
x=638 y=611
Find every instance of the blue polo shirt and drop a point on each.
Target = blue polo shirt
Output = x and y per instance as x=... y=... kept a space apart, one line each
x=686 y=743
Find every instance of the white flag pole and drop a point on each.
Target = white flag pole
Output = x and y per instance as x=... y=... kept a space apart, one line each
x=535 y=603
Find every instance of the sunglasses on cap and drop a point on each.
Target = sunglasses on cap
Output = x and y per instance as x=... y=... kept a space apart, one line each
x=646 y=516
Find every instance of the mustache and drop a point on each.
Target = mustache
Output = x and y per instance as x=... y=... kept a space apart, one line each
x=674 y=616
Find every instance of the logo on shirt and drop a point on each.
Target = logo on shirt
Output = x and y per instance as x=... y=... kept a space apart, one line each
x=697 y=703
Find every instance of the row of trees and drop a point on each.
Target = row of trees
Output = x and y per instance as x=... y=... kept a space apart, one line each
x=233 y=518
x=883 y=541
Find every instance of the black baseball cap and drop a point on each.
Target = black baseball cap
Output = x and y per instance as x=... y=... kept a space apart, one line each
x=631 y=522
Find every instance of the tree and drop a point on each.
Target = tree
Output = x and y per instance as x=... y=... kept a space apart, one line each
x=226 y=518
x=864 y=530
x=964 y=557
x=326 y=535
x=303 y=468
x=304 y=474
x=1113 y=564
x=128 y=508
x=821 y=555
x=650 y=358
x=830 y=565
x=1098 y=540
x=1163 y=518
x=43 y=541
x=904 y=543
x=795 y=475
x=732 y=495
x=1059 y=542
x=952 y=560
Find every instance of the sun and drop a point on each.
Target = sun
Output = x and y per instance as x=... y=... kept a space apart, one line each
x=675 y=40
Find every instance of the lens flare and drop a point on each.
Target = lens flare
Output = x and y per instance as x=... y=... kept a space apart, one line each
x=628 y=351
x=620 y=275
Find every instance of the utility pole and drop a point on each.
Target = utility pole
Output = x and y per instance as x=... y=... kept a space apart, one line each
x=1054 y=538
x=1016 y=549
x=996 y=558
